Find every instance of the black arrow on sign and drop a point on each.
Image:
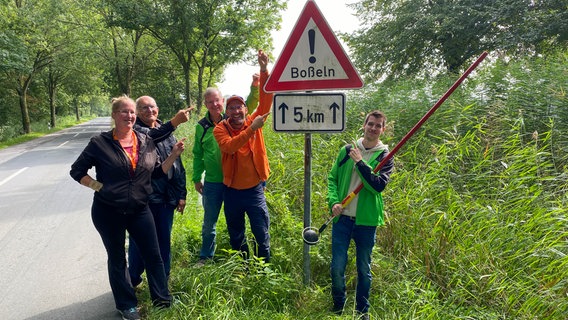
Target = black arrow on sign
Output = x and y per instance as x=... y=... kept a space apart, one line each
x=283 y=107
x=335 y=107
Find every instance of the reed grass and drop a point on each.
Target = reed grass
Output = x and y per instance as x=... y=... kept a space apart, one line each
x=476 y=211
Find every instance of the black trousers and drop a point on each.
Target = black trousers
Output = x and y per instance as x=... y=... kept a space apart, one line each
x=112 y=224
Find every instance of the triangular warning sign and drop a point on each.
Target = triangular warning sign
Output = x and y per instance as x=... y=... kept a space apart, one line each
x=312 y=58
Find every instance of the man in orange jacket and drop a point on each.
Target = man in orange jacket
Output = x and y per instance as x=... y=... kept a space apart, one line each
x=245 y=167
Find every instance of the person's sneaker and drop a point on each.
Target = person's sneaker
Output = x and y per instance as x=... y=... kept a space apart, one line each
x=130 y=314
x=364 y=316
x=162 y=304
x=337 y=309
x=200 y=263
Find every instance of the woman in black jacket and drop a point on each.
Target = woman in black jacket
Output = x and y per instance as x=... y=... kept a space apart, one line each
x=125 y=161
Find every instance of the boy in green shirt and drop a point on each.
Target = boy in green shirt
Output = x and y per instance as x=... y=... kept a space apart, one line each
x=359 y=219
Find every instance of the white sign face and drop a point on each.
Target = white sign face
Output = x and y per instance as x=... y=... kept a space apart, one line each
x=309 y=112
x=313 y=58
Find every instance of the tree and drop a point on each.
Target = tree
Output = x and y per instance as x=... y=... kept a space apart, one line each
x=402 y=37
x=218 y=32
x=12 y=53
x=74 y=67
x=30 y=22
x=204 y=35
x=163 y=80
x=122 y=52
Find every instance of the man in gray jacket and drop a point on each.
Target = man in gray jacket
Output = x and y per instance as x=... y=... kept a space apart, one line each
x=169 y=192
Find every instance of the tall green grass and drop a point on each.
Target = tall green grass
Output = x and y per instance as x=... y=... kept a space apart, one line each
x=476 y=210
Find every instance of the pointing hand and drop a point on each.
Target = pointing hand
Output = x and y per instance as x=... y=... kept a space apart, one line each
x=258 y=122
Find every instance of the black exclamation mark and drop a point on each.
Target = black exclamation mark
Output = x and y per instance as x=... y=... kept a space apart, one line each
x=312 y=39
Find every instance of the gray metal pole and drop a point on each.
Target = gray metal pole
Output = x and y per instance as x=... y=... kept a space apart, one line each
x=307 y=201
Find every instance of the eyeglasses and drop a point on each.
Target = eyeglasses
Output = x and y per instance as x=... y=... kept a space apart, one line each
x=213 y=101
x=126 y=112
x=147 y=107
x=235 y=108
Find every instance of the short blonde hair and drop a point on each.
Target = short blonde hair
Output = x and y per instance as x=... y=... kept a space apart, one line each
x=118 y=102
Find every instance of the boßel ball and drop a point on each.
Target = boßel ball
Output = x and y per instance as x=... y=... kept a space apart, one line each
x=310 y=236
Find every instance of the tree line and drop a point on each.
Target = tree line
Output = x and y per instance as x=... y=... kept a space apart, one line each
x=61 y=57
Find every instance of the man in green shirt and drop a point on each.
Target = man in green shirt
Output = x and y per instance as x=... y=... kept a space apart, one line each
x=207 y=158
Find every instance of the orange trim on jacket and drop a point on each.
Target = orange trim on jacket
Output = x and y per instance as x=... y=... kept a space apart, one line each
x=239 y=146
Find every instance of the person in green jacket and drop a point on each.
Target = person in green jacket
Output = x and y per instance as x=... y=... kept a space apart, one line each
x=359 y=219
x=207 y=158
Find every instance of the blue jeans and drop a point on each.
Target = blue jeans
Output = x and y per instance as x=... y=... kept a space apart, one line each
x=364 y=236
x=212 y=199
x=163 y=215
x=253 y=202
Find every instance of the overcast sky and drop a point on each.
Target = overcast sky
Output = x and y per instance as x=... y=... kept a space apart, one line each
x=339 y=17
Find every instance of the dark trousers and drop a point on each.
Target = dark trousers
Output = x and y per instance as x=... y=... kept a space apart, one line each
x=163 y=215
x=112 y=225
x=253 y=202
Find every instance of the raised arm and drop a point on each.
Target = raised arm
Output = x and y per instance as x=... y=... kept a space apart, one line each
x=265 y=98
x=164 y=131
x=252 y=98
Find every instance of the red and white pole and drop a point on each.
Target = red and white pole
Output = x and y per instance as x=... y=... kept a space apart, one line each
x=410 y=133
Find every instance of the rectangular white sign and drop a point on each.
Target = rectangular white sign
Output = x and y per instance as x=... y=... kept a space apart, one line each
x=309 y=112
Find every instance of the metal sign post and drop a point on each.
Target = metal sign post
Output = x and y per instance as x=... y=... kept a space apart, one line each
x=307 y=201
x=312 y=59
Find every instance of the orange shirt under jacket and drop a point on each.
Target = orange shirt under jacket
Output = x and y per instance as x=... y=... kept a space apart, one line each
x=243 y=154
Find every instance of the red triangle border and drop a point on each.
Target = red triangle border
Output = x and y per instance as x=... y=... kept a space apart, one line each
x=311 y=11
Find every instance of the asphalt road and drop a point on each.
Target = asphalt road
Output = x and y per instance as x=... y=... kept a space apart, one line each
x=52 y=260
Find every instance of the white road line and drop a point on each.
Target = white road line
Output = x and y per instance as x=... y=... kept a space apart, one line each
x=61 y=145
x=13 y=175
